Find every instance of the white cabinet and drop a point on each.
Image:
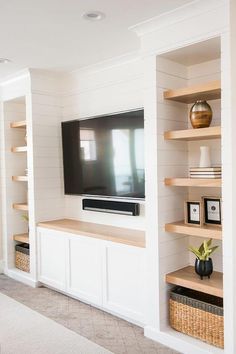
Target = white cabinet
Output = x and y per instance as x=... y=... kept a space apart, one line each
x=52 y=258
x=124 y=281
x=104 y=273
x=85 y=269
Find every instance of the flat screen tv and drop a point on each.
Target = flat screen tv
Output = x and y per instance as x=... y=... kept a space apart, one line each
x=104 y=156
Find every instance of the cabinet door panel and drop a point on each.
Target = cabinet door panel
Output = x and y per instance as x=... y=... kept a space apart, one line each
x=124 y=281
x=52 y=259
x=85 y=269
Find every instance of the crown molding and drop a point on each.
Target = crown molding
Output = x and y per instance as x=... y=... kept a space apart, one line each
x=109 y=63
x=179 y=14
x=22 y=74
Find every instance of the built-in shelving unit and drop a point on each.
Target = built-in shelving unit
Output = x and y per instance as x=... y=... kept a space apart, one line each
x=18 y=165
x=205 y=231
x=187 y=278
x=20 y=206
x=19 y=149
x=206 y=91
x=181 y=147
x=193 y=182
x=20 y=178
x=193 y=134
x=21 y=238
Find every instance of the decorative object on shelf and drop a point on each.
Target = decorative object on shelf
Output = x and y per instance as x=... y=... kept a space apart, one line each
x=205 y=157
x=25 y=218
x=205 y=172
x=201 y=115
x=190 y=309
x=212 y=210
x=22 y=257
x=193 y=212
x=203 y=263
x=204 y=268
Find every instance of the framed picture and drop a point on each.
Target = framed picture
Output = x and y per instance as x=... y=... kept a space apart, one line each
x=193 y=212
x=212 y=210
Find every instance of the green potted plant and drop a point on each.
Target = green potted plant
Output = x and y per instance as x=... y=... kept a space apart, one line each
x=203 y=263
x=25 y=218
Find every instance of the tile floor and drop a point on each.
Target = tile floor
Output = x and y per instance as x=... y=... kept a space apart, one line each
x=114 y=334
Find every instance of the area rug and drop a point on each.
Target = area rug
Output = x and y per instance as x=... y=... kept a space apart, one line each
x=24 y=331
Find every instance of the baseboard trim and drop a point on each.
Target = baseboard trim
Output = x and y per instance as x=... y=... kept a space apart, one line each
x=1 y=266
x=21 y=277
x=180 y=342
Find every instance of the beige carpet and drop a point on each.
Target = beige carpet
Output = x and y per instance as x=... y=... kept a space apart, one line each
x=24 y=331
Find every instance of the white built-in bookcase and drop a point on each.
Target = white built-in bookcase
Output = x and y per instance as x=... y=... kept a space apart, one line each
x=30 y=105
x=181 y=50
x=17 y=181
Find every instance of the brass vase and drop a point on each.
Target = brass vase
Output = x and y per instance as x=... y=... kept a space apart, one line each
x=200 y=115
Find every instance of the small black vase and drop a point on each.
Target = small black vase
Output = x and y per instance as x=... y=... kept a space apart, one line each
x=204 y=268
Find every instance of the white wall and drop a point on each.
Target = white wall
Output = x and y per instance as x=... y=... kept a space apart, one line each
x=172 y=161
x=100 y=90
x=47 y=151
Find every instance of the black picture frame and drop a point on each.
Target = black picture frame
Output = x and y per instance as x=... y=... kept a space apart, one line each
x=189 y=209
x=212 y=217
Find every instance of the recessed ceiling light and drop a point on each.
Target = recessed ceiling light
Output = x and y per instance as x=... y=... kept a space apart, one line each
x=4 y=61
x=93 y=15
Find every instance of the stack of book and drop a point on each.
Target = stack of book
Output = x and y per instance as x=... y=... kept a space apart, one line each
x=205 y=172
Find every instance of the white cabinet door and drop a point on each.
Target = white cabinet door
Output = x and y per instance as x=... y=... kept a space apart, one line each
x=124 y=281
x=85 y=269
x=52 y=258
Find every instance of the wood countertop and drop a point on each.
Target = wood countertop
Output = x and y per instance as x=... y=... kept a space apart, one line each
x=103 y=232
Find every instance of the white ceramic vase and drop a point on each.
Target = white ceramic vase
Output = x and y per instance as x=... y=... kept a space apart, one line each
x=205 y=157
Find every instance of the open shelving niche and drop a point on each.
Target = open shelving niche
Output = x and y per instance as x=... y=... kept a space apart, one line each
x=180 y=149
x=16 y=162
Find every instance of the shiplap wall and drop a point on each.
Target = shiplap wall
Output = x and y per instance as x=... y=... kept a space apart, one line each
x=96 y=91
x=172 y=161
x=47 y=152
x=201 y=73
x=47 y=155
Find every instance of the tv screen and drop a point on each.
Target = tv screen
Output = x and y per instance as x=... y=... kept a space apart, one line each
x=104 y=156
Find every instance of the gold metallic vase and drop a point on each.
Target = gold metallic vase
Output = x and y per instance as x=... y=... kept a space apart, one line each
x=200 y=115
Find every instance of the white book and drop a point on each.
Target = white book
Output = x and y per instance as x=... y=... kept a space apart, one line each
x=205 y=169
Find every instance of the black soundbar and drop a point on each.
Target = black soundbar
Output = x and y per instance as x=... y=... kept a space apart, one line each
x=109 y=206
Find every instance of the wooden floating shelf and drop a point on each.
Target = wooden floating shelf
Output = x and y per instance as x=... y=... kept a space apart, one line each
x=194 y=134
x=19 y=149
x=20 y=178
x=20 y=206
x=207 y=91
x=193 y=182
x=187 y=278
x=21 y=238
x=103 y=232
x=20 y=124
x=206 y=231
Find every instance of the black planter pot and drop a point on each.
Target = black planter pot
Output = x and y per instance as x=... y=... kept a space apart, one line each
x=204 y=268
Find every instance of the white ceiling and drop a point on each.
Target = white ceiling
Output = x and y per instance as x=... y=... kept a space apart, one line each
x=50 y=34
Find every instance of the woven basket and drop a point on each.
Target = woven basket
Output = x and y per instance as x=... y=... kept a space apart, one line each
x=22 y=258
x=198 y=315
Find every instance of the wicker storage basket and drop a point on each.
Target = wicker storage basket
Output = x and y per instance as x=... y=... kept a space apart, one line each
x=22 y=258
x=198 y=315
